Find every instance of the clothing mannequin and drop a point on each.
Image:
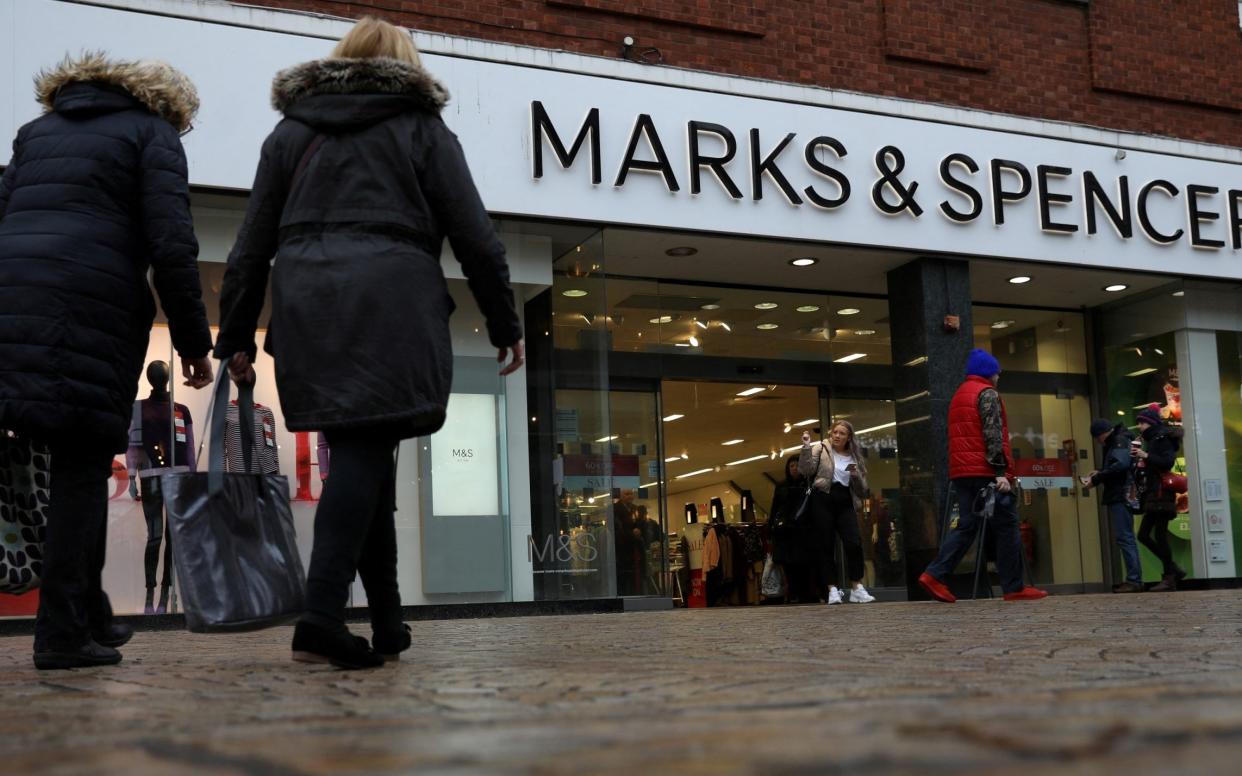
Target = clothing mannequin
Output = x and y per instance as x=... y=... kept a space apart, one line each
x=161 y=440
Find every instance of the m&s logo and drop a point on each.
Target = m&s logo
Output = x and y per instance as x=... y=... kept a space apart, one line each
x=463 y=453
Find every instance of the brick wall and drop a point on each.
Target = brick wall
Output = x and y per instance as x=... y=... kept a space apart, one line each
x=1167 y=68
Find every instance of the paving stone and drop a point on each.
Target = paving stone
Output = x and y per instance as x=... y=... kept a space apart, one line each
x=1068 y=685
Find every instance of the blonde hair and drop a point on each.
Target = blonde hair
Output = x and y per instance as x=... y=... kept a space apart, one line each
x=371 y=38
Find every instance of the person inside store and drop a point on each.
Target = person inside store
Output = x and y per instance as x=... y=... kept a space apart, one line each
x=980 y=457
x=356 y=189
x=1154 y=457
x=791 y=535
x=838 y=476
x=652 y=543
x=96 y=195
x=1116 y=478
x=628 y=541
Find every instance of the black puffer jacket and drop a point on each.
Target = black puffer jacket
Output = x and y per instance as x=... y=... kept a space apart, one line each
x=360 y=307
x=1161 y=443
x=1116 y=474
x=95 y=195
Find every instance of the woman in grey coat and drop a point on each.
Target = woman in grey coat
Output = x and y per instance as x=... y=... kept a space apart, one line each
x=356 y=190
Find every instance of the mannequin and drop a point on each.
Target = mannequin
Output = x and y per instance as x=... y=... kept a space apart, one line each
x=266 y=456
x=161 y=439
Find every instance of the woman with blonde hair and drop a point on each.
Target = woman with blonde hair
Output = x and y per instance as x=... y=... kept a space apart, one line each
x=356 y=189
x=839 y=487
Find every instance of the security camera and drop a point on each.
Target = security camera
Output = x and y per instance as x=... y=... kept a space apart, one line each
x=627 y=41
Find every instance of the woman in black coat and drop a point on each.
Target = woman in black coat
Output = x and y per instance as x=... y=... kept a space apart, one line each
x=356 y=190
x=1159 y=504
x=791 y=538
x=95 y=195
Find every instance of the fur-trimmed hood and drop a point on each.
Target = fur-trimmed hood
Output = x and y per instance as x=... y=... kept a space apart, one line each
x=161 y=88
x=377 y=76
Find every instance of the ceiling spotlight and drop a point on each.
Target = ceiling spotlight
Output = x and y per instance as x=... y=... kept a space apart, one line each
x=732 y=442
x=766 y=306
x=671 y=459
x=1018 y=280
x=574 y=293
x=1001 y=324
x=674 y=416
x=1179 y=293
x=804 y=261
x=747 y=460
x=726 y=326
x=710 y=307
x=808 y=308
x=767 y=326
x=694 y=341
x=864 y=332
x=751 y=391
x=680 y=251
x=849 y=358
x=1115 y=287
x=788 y=427
x=848 y=311
x=661 y=319
x=700 y=324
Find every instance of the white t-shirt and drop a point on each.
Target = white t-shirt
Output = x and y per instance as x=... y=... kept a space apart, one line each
x=840 y=473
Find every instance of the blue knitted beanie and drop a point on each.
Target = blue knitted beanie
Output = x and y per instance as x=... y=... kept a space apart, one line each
x=982 y=363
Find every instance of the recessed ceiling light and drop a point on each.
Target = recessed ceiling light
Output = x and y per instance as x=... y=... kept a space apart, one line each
x=574 y=293
x=1001 y=324
x=864 y=332
x=849 y=358
x=661 y=319
x=767 y=326
x=1018 y=280
x=681 y=250
x=1141 y=372
x=848 y=311
x=751 y=459
x=693 y=474
x=700 y=324
x=710 y=307
x=608 y=438
x=806 y=422
x=726 y=326
x=694 y=341
x=732 y=442
x=808 y=308
x=674 y=416
x=804 y=261
x=672 y=459
x=1179 y=293
x=1115 y=287
x=766 y=306
x=751 y=391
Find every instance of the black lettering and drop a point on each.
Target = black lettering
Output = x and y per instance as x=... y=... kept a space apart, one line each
x=1047 y=199
x=1145 y=220
x=836 y=176
x=1197 y=216
x=1093 y=194
x=541 y=128
x=889 y=163
x=999 y=195
x=961 y=187
x=1235 y=217
x=644 y=126
x=768 y=165
x=717 y=163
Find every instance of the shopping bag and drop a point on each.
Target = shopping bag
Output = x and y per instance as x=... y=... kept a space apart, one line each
x=772 y=583
x=234 y=547
x=25 y=473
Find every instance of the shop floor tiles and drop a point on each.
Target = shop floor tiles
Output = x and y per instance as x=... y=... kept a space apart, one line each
x=1070 y=685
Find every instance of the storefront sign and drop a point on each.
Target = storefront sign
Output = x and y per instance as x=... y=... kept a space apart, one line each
x=1044 y=473
x=583 y=472
x=465 y=477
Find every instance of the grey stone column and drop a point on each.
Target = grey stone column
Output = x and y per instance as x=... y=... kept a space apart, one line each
x=928 y=364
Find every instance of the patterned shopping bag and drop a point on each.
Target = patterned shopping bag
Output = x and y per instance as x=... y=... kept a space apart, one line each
x=25 y=472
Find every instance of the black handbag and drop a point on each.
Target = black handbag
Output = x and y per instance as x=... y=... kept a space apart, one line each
x=234 y=546
x=804 y=508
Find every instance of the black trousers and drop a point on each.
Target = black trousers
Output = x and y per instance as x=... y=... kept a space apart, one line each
x=157 y=532
x=1154 y=534
x=72 y=602
x=355 y=531
x=833 y=516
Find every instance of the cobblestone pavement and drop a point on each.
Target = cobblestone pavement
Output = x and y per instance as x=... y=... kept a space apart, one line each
x=1077 y=684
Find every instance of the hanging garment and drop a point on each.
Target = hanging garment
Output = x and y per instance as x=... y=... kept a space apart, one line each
x=266 y=453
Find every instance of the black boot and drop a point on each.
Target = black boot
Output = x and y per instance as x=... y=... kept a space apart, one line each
x=88 y=655
x=389 y=644
x=112 y=635
x=315 y=644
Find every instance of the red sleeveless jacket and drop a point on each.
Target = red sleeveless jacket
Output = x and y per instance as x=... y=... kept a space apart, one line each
x=968 y=455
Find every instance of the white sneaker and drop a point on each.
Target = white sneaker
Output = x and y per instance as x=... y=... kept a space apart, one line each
x=834 y=596
x=859 y=595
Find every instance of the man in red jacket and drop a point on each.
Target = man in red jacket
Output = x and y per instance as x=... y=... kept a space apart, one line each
x=979 y=456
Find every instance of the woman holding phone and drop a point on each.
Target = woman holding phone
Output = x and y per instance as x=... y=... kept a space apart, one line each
x=839 y=478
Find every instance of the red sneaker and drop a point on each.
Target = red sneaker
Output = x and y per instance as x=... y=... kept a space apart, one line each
x=1027 y=594
x=936 y=589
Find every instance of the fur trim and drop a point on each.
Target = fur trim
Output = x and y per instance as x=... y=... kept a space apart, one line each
x=357 y=76
x=163 y=89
